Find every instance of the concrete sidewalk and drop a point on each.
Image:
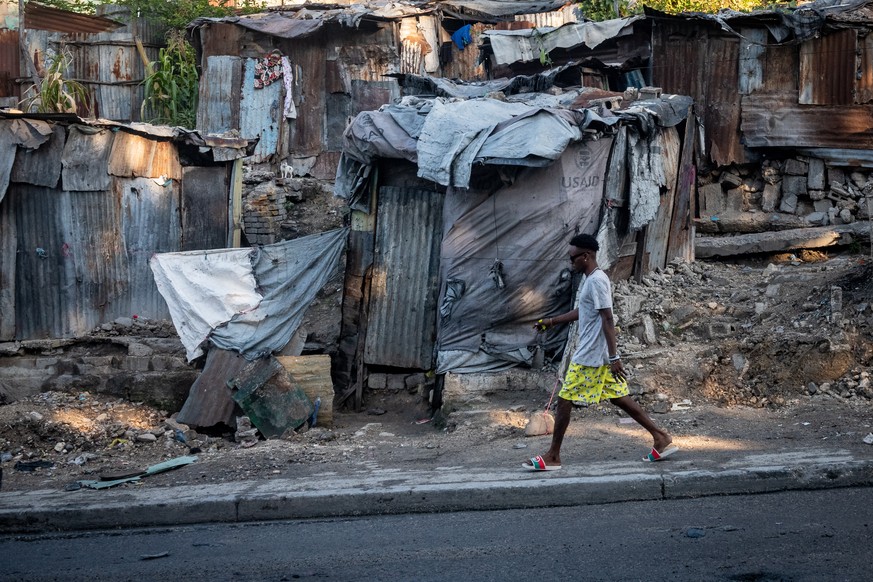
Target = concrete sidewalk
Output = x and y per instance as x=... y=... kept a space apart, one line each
x=393 y=491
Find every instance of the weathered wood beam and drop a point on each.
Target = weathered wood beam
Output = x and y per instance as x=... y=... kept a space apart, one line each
x=786 y=240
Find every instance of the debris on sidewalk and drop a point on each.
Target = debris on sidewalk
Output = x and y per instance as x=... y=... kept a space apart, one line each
x=270 y=398
x=152 y=470
x=869 y=438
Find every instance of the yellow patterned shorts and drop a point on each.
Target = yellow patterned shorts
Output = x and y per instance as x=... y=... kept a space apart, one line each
x=590 y=385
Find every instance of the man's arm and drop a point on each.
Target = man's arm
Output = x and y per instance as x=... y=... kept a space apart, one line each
x=612 y=343
x=547 y=322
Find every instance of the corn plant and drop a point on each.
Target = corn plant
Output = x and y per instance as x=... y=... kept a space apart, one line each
x=54 y=93
x=171 y=85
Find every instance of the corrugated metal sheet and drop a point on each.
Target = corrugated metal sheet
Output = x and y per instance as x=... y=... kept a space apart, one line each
x=778 y=121
x=204 y=207
x=722 y=108
x=402 y=323
x=70 y=266
x=261 y=112
x=151 y=223
x=683 y=55
x=10 y=55
x=42 y=166
x=8 y=254
x=86 y=157
x=864 y=85
x=218 y=107
x=133 y=155
x=827 y=69
x=550 y=19
x=306 y=134
x=40 y=17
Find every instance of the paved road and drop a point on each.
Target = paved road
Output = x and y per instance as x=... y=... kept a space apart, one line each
x=789 y=536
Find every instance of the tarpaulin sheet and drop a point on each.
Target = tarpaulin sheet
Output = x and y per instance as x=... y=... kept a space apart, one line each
x=246 y=300
x=510 y=46
x=503 y=262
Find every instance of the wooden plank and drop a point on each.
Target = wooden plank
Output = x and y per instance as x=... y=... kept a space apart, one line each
x=312 y=374
x=786 y=240
x=659 y=229
x=682 y=229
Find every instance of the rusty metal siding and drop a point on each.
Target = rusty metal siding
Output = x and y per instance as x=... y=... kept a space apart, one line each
x=8 y=254
x=150 y=223
x=780 y=69
x=827 y=69
x=204 y=207
x=261 y=112
x=42 y=166
x=721 y=99
x=864 y=84
x=133 y=155
x=778 y=121
x=306 y=133
x=70 y=268
x=85 y=159
x=550 y=19
x=402 y=324
x=696 y=61
x=219 y=101
x=10 y=57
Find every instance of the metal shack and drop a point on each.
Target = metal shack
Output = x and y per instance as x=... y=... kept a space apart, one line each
x=463 y=204
x=85 y=204
x=294 y=76
x=784 y=98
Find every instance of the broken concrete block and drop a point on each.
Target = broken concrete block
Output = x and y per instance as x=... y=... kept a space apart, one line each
x=794 y=185
x=795 y=167
x=771 y=196
x=815 y=178
x=788 y=203
x=712 y=199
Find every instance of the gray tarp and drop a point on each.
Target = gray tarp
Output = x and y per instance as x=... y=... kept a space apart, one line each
x=504 y=262
x=258 y=303
x=511 y=46
x=446 y=137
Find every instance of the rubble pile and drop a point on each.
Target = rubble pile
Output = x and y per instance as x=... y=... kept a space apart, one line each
x=744 y=334
x=801 y=186
x=135 y=326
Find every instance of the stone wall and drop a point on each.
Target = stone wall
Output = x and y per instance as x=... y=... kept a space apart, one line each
x=140 y=369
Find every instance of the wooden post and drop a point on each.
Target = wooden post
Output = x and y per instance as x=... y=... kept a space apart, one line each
x=681 y=244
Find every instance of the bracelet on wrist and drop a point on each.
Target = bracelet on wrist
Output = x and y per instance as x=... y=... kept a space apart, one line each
x=615 y=358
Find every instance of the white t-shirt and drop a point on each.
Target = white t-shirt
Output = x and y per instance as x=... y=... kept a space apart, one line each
x=596 y=294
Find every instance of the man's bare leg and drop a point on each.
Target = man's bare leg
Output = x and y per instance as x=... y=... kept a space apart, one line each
x=562 y=421
x=630 y=406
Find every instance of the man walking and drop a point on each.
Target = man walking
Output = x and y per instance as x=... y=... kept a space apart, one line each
x=596 y=372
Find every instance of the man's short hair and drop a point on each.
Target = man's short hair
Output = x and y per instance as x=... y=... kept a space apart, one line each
x=585 y=241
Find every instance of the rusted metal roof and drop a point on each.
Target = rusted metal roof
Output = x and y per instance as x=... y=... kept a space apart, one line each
x=39 y=17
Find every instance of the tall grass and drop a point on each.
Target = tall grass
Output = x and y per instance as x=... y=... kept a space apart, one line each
x=171 y=85
x=54 y=93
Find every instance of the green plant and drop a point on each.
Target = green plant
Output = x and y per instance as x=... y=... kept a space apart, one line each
x=54 y=93
x=171 y=85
